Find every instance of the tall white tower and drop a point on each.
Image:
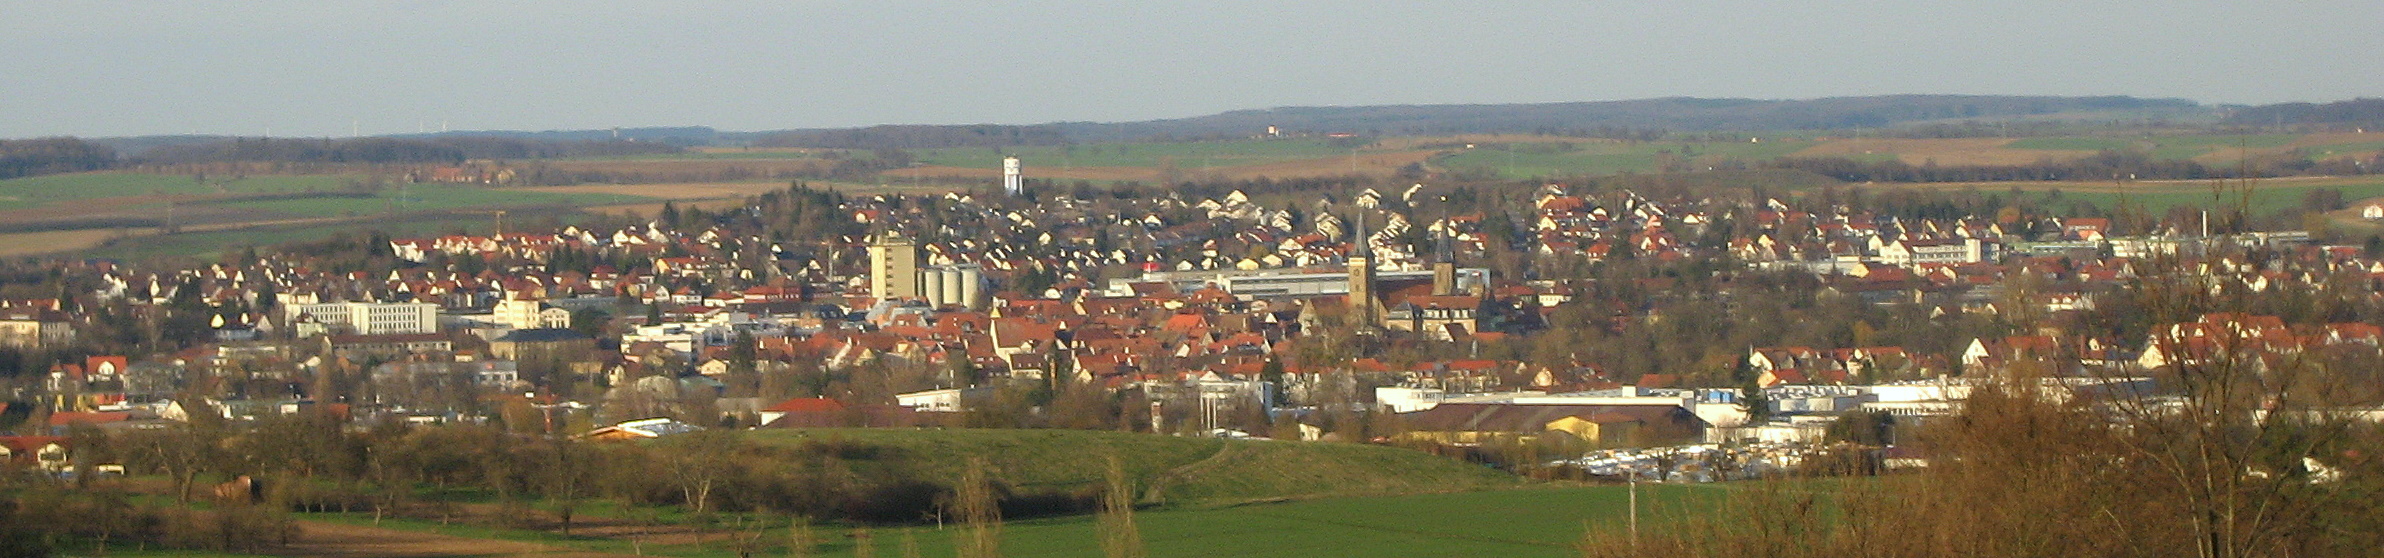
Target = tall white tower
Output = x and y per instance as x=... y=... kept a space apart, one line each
x=1010 y=176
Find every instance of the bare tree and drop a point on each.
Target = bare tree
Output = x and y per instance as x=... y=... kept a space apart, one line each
x=1120 y=538
x=974 y=502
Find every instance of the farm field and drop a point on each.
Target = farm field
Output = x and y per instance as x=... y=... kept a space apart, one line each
x=210 y=242
x=1551 y=157
x=426 y=197
x=2268 y=195
x=102 y=212
x=1565 y=157
x=1187 y=155
x=50 y=190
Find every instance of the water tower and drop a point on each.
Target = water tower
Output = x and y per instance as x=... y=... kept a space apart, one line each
x=1010 y=176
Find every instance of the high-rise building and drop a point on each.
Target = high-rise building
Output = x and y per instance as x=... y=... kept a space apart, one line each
x=1012 y=179
x=893 y=267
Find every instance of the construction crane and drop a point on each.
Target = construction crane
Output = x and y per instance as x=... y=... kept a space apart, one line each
x=500 y=217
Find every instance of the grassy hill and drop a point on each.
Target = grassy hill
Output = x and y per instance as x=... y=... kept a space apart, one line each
x=1177 y=470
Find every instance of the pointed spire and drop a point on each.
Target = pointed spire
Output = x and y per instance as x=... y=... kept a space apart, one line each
x=1444 y=253
x=1360 y=246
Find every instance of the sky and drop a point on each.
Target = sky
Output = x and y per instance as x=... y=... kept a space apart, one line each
x=99 y=68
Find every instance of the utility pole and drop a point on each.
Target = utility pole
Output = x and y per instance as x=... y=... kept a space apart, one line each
x=1634 y=510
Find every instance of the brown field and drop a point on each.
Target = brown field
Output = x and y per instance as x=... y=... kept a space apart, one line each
x=689 y=167
x=2335 y=138
x=37 y=243
x=672 y=191
x=2223 y=156
x=1949 y=152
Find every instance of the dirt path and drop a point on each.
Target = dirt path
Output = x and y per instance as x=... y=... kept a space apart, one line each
x=338 y=540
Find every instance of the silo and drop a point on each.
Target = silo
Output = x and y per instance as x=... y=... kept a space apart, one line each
x=933 y=281
x=972 y=281
x=954 y=290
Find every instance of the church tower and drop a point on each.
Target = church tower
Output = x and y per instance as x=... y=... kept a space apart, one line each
x=1444 y=265
x=1365 y=307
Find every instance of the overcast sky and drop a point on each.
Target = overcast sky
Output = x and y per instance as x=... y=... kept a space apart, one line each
x=315 y=67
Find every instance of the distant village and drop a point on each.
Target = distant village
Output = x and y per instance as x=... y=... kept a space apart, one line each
x=1382 y=316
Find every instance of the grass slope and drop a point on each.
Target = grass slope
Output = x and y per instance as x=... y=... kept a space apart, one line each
x=1185 y=470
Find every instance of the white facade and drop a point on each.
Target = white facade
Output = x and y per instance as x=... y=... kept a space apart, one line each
x=530 y=314
x=372 y=318
x=1967 y=250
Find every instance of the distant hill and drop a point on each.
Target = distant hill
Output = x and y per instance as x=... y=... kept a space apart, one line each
x=1637 y=118
x=2367 y=113
x=1600 y=118
x=1587 y=118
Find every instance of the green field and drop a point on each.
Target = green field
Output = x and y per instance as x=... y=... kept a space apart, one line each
x=36 y=191
x=710 y=156
x=1525 y=522
x=1540 y=521
x=45 y=190
x=2339 y=149
x=1186 y=469
x=2268 y=197
x=2231 y=140
x=427 y=197
x=1186 y=155
x=1549 y=159
x=2075 y=144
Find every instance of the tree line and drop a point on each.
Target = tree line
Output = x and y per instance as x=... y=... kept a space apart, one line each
x=2104 y=165
x=32 y=157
